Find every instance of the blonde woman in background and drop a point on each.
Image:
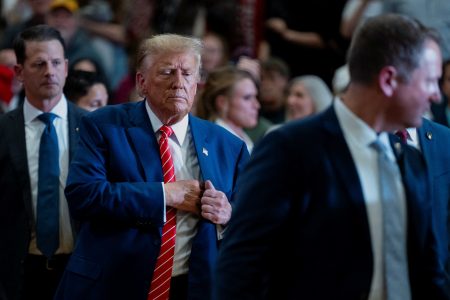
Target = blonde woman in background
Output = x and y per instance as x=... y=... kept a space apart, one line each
x=229 y=98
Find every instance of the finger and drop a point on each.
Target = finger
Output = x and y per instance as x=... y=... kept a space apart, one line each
x=209 y=185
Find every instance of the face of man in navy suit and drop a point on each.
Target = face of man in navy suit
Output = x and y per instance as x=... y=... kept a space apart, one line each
x=170 y=83
x=414 y=96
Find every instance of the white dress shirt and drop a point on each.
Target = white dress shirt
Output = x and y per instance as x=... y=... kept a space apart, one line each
x=33 y=131
x=359 y=136
x=186 y=166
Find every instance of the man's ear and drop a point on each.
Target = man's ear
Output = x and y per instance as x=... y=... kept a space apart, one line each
x=18 y=68
x=388 y=80
x=140 y=84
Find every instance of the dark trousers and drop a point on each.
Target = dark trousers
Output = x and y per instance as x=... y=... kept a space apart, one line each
x=42 y=275
x=179 y=287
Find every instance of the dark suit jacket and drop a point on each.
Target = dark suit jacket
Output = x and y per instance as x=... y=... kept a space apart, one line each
x=114 y=188
x=300 y=210
x=16 y=214
x=434 y=142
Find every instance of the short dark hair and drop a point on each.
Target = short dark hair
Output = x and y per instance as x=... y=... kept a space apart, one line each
x=384 y=40
x=38 y=33
x=79 y=82
x=275 y=64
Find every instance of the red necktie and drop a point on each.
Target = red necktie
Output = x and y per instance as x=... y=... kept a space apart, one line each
x=403 y=135
x=160 y=286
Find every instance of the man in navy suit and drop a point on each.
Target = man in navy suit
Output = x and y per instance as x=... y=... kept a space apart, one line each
x=433 y=141
x=308 y=220
x=115 y=184
x=25 y=272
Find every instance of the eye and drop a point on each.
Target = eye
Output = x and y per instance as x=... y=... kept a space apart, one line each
x=165 y=72
x=39 y=64
x=56 y=62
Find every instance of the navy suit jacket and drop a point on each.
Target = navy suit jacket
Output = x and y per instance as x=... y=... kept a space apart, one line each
x=434 y=140
x=300 y=210
x=114 y=188
x=16 y=213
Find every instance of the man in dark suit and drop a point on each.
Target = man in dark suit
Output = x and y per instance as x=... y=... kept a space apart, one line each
x=433 y=141
x=25 y=272
x=309 y=218
x=115 y=185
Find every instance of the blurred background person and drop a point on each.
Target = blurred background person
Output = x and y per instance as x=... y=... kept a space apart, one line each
x=274 y=80
x=30 y=14
x=10 y=87
x=63 y=16
x=86 y=89
x=356 y=12
x=306 y=95
x=441 y=111
x=229 y=98
x=215 y=53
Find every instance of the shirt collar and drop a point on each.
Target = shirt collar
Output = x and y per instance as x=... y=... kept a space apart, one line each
x=356 y=129
x=30 y=112
x=179 y=129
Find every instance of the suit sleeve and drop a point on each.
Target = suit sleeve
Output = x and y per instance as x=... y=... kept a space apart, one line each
x=104 y=184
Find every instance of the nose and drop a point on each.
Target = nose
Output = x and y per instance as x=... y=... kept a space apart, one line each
x=49 y=68
x=177 y=82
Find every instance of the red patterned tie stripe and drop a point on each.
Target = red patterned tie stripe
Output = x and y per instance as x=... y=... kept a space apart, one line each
x=160 y=286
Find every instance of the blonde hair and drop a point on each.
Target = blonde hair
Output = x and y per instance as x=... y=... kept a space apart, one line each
x=168 y=43
x=220 y=82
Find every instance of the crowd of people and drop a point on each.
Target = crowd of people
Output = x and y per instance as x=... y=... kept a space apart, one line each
x=149 y=152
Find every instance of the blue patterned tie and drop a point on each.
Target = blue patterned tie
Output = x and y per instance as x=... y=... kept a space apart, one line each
x=47 y=215
x=394 y=238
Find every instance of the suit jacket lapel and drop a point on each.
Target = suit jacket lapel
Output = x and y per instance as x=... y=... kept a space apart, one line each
x=18 y=151
x=425 y=134
x=144 y=140
x=202 y=145
x=340 y=156
x=74 y=115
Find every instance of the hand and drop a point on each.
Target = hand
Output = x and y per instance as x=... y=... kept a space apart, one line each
x=184 y=195
x=215 y=205
x=277 y=25
x=250 y=65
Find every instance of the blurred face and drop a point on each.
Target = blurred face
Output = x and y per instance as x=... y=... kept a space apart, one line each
x=96 y=97
x=8 y=58
x=445 y=87
x=169 y=82
x=44 y=71
x=414 y=97
x=272 y=89
x=213 y=52
x=40 y=7
x=64 y=21
x=299 y=103
x=243 y=106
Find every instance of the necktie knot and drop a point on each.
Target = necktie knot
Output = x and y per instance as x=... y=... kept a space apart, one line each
x=47 y=118
x=403 y=135
x=166 y=130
